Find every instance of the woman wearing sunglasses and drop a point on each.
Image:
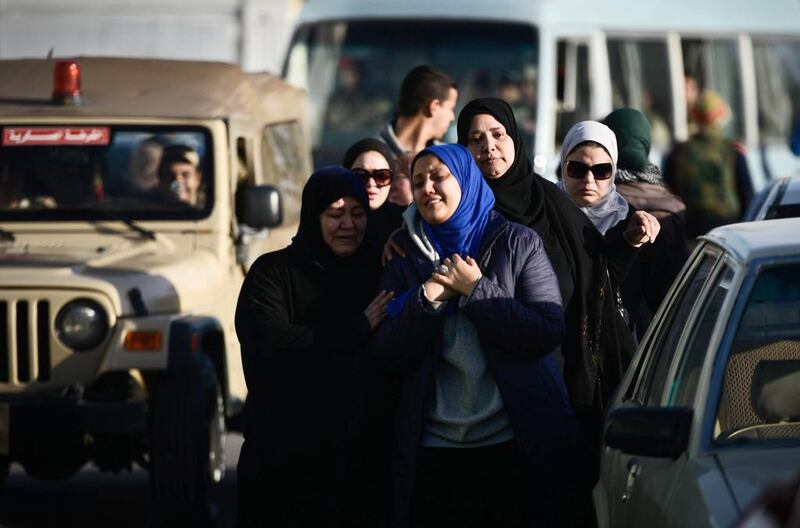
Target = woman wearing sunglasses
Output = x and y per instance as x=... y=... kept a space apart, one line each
x=597 y=344
x=370 y=160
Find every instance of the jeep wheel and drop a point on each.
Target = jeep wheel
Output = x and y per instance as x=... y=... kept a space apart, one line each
x=187 y=441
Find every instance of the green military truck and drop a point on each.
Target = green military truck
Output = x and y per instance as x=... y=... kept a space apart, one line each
x=133 y=195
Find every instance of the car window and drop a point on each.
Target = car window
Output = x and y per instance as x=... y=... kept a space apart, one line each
x=670 y=327
x=684 y=384
x=761 y=386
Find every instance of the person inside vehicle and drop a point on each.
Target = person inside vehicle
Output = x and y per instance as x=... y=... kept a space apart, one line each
x=597 y=345
x=371 y=160
x=304 y=317
x=484 y=420
x=143 y=165
x=181 y=175
x=425 y=111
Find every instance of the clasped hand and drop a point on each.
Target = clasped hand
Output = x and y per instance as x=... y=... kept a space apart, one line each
x=455 y=276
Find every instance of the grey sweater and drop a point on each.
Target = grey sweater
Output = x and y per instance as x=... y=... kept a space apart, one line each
x=467 y=409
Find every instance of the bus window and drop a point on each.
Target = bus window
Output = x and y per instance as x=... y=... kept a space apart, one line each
x=714 y=64
x=777 y=65
x=353 y=70
x=572 y=89
x=640 y=79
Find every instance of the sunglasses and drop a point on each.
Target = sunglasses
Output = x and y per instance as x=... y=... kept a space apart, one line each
x=601 y=171
x=382 y=177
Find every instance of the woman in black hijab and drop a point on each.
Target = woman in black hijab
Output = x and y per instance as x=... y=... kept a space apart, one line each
x=597 y=345
x=372 y=161
x=302 y=323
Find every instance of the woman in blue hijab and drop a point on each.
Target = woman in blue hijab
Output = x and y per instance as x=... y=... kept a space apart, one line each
x=484 y=424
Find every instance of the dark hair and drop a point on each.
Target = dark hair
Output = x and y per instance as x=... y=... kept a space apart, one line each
x=420 y=86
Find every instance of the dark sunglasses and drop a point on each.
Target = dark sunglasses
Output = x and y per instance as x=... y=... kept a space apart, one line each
x=601 y=171
x=382 y=177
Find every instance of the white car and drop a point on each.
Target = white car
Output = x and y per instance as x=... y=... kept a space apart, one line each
x=709 y=410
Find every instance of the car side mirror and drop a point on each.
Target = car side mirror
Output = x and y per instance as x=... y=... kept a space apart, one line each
x=260 y=206
x=649 y=431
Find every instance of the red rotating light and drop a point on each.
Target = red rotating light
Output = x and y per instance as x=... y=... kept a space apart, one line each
x=67 y=83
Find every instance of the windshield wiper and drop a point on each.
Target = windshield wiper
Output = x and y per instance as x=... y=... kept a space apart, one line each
x=6 y=236
x=105 y=214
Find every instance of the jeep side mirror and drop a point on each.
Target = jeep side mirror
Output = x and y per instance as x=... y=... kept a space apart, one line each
x=649 y=431
x=260 y=206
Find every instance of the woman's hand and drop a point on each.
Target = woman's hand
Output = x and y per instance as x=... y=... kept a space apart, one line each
x=435 y=292
x=376 y=310
x=458 y=274
x=642 y=227
x=391 y=247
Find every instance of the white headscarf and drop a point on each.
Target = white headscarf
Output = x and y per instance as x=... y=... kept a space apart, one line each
x=612 y=208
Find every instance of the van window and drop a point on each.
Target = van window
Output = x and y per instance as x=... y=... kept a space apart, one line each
x=640 y=79
x=284 y=163
x=714 y=64
x=353 y=71
x=777 y=65
x=572 y=86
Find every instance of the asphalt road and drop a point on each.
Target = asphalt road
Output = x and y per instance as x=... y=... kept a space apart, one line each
x=95 y=499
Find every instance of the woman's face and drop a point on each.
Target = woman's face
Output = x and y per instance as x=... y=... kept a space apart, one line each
x=582 y=185
x=490 y=145
x=343 y=224
x=372 y=161
x=436 y=191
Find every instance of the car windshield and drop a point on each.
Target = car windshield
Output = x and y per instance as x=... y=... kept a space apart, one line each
x=353 y=71
x=74 y=172
x=761 y=392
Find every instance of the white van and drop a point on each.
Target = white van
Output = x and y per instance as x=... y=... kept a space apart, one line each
x=557 y=62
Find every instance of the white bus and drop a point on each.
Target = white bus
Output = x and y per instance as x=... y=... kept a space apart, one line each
x=556 y=62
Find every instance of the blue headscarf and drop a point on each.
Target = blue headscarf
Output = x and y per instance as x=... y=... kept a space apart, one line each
x=463 y=232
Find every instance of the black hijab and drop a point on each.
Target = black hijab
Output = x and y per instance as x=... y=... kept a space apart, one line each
x=578 y=253
x=514 y=190
x=388 y=217
x=324 y=187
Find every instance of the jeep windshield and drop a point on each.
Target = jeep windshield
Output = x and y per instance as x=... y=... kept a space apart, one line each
x=353 y=70
x=63 y=172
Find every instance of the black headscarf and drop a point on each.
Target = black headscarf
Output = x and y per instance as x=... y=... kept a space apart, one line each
x=388 y=217
x=366 y=145
x=324 y=187
x=514 y=190
x=594 y=347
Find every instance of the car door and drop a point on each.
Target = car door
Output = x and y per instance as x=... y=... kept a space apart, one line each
x=628 y=500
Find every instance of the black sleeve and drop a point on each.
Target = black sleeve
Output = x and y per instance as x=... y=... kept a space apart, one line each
x=744 y=186
x=621 y=255
x=262 y=319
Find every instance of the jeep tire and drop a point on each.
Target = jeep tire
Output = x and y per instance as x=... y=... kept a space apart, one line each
x=187 y=434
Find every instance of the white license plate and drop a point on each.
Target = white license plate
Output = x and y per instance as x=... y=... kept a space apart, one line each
x=5 y=432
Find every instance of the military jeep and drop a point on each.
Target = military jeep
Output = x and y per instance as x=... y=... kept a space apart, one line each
x=133 y=195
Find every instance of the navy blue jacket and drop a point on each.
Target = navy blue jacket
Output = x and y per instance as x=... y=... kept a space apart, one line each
x=516 y=309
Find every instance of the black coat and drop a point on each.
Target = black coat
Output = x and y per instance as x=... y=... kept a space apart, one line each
x=302 y=329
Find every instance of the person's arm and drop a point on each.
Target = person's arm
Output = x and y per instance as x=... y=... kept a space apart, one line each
x=528 y=322
x=744 y=186
x=262 y=317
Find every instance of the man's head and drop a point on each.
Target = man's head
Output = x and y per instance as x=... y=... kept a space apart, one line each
x=180 y=173
x=431 y=94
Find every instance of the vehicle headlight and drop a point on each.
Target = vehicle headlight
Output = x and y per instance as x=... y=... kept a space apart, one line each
x=82 y=324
